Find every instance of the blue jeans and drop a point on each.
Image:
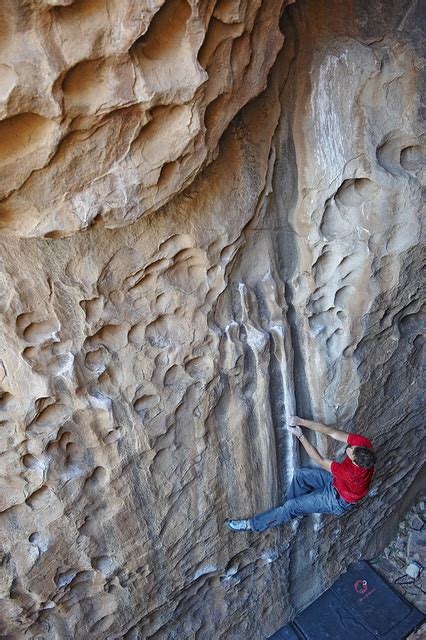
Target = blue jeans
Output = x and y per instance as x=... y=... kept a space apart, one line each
x=311 y=491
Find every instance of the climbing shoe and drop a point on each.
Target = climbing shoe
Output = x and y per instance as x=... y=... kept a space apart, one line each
x=239 y=525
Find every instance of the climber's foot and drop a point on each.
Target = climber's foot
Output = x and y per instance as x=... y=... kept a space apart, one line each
x=239 y=525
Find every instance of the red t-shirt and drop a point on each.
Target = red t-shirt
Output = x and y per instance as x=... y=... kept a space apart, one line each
x=352 y=482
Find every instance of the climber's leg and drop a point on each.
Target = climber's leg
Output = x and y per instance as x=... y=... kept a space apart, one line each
x=326 y=500
x=306 y=480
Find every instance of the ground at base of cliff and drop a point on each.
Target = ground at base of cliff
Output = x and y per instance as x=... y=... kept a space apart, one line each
x=408 y=549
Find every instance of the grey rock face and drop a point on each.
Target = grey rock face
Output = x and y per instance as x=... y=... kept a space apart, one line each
x=146 y=369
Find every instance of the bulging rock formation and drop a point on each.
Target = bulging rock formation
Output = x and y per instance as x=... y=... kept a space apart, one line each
x=209 y=220
x=111 y=107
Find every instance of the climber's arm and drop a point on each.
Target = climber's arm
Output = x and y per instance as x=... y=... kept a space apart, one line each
x=326 y=429
x=314 y=455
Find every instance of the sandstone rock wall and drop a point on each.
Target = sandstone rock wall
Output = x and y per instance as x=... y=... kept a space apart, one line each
x=111 y=107
x=147 y=362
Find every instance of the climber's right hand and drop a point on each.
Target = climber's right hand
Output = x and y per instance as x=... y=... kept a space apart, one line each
x=295 y=431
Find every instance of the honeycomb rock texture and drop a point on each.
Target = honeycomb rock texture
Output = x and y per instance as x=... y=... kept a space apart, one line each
x=210 y=219
x=111 y=107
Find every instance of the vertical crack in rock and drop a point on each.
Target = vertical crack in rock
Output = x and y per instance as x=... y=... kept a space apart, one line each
x=346 y=137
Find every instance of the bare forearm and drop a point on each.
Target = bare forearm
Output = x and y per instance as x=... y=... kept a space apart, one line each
x=326 y=429
x=310 y=450
x=316 y=426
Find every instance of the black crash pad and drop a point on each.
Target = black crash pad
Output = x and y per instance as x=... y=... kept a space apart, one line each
x=359 y=606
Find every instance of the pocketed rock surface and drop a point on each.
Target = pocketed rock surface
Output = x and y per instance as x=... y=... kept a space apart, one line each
x=210 y=219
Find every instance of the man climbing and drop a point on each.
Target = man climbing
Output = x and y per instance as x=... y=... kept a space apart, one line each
x=334 y=488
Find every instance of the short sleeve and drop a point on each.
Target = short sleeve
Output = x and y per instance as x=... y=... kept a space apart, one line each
x=335 y=468
x=355 y=440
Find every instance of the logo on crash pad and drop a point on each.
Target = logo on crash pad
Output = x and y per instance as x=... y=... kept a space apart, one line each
x=361 y=586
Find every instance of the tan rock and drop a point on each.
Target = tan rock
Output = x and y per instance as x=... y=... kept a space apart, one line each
x=248 y=247
x=132 y=112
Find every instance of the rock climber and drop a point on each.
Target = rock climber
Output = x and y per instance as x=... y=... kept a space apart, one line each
x=334 y=488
